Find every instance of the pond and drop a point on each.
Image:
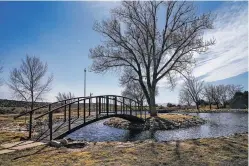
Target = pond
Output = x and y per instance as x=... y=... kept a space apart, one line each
x=219 y=124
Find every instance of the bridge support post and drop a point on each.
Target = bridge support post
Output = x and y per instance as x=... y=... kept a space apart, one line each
x=123 y=105
x=115 y=100
x=85 y=111
x=78 y=109
x=30 y=124
x=69 y=117
x=99 y=105
x=107 y=105
x=96 y=105
x=89 y=106
x=50 y=123
x=65 y=111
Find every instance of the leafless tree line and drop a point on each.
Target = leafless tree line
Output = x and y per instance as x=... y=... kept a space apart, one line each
x=194 y=90
x=65 y=96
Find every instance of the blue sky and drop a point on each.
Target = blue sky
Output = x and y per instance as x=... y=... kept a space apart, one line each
x=61 y=34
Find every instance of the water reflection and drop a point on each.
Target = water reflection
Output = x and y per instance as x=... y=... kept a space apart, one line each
x=219 y=124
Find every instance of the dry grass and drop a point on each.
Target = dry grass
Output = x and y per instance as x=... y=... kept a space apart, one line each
x=7 y=136
x=176 y=117
x=212 y=151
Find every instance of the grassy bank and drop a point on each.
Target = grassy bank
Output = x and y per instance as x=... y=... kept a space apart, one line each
x=209 y=151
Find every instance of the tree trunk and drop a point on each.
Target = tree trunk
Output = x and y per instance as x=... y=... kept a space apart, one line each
x=152 y=103
x=197 y=106
x=217 y=104
x=152 y=106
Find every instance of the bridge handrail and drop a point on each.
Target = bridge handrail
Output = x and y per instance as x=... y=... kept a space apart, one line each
x=22 y=114
x=84 y=98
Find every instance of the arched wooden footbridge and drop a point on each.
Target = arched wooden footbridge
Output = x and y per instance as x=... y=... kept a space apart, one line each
x=58 y=119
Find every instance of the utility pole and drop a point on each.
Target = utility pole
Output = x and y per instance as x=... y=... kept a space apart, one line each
x=85 y=82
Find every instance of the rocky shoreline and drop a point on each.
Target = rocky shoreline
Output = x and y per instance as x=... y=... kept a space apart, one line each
x=168 y=122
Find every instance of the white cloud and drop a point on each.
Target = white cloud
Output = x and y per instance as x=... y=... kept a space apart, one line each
x=101 y=9
x=229 y=56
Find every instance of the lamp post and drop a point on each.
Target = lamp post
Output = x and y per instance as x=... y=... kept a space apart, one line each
x=85 y=82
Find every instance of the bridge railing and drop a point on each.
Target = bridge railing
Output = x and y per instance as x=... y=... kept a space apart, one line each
x=92 y=107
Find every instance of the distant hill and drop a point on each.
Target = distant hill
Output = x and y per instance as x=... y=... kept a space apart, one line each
x=15 y=103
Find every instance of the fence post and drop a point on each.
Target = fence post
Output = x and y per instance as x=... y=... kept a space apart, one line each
x=107 y=105
x=84 y=110
x=78 y=109
x=50 y=122
x=65 y=111
x=69 y=117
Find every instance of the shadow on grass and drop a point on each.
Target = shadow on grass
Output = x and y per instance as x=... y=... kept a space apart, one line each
x=39 y=151
x=177 y=150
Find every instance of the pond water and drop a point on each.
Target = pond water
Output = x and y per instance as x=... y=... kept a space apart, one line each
x=219 y=124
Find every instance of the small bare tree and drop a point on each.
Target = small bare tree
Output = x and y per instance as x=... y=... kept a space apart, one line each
x=216 y=92
x=151 y=51
x=207 y=93
x=194 y=87
x=232 y=89
x=184 y=97
x=65 y=96
x=27 y=81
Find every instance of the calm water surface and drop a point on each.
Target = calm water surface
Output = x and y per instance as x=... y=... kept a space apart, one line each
x=219 y=124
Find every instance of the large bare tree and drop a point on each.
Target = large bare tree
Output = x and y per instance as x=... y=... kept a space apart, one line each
x=194 y=88
x=27 y=81
x=137 y=41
